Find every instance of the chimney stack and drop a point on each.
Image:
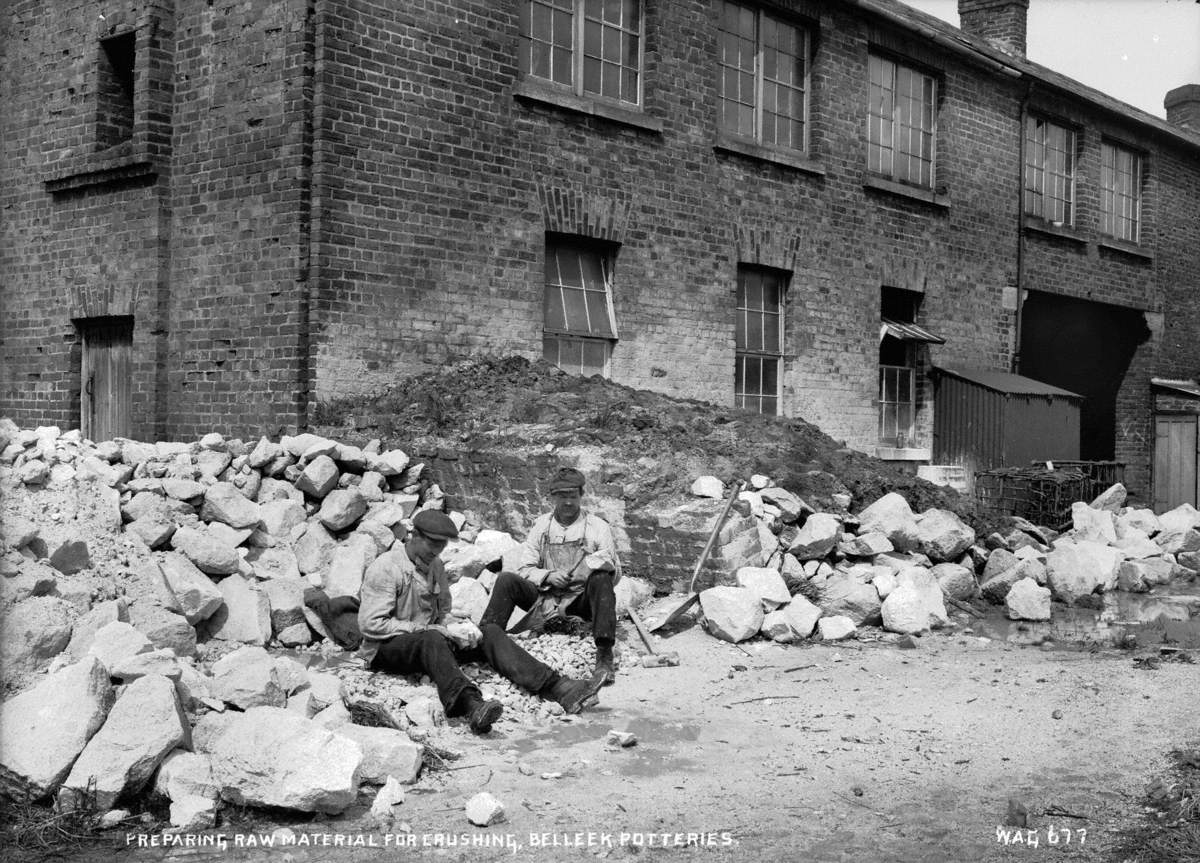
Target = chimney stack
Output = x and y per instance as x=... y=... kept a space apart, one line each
x=1000 y=22
x=1183 y=107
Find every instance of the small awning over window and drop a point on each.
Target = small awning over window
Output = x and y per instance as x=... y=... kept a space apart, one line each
x=908 y=332
x=1179 y=387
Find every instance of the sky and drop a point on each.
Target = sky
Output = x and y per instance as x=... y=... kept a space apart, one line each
x=1134 y=50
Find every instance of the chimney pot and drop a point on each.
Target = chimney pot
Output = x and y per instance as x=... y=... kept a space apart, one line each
x=1183 y=107
x=1000 y=22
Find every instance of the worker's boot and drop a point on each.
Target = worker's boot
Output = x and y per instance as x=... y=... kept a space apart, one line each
x=573 y=695
x=604 y=665
x=481 y=714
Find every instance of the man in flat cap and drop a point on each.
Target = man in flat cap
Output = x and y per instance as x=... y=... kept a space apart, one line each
x=568 y=565
x=406 y=626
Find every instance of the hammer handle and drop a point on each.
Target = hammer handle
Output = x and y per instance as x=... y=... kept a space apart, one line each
x=637 y=624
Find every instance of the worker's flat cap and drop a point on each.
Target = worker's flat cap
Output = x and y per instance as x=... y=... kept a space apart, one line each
x=566 y=478
x=434 y=524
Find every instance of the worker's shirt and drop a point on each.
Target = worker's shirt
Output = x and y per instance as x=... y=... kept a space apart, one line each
x=397 y=598
x=592 y=535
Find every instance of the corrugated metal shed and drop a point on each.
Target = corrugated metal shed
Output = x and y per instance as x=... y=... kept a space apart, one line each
x=984 y=419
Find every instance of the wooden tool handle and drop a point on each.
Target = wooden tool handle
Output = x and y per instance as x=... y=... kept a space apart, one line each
x=637 y=624
x=712 y=537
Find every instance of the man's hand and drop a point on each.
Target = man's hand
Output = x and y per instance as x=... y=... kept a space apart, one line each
x=464 y=633
x=558 y=579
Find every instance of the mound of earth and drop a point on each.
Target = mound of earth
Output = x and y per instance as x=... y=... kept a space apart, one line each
x=512 y=402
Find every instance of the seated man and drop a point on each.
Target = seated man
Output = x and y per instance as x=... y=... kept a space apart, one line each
x=568 y=565
x=406 y=628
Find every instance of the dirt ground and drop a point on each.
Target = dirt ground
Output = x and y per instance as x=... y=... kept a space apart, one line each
x=821 y=752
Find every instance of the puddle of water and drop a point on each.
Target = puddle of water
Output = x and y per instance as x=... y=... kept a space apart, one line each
x=321 y=661
x=1151 y=618
x=647 y=730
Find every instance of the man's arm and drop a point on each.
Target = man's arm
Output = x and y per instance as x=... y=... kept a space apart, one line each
x=529 y=561
x=384 y=585
x=601 y=546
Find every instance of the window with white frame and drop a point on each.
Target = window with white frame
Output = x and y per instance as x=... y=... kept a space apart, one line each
x=579 y=328
x=1120 y=192
x=592 y=47
x=1049 y=171
x=763 y=77
x=901 y=122
x=759 y=341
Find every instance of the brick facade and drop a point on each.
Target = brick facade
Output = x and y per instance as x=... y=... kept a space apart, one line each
x=318 y=198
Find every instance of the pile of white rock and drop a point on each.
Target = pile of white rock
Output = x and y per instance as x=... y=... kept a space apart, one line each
x=888 y=566
x=141 y=585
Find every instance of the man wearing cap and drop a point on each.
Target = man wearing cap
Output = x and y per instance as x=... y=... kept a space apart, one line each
x=406 y=626
x=568 y=565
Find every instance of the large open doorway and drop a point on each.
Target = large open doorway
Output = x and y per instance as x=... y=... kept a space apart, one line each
x=1084 y=347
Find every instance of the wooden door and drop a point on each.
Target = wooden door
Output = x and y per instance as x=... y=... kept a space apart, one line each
x=1174 y=461
x=107 y=379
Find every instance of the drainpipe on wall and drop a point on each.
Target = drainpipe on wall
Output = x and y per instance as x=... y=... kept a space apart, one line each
x=310 y=230
x=1024 y=114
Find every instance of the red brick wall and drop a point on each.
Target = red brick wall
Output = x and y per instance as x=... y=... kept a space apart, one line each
x=340 y=194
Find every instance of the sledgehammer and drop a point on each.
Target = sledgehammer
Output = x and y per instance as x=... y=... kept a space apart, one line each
x=652 y=659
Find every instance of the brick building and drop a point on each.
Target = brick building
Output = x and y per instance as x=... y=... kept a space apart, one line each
x=219 y=215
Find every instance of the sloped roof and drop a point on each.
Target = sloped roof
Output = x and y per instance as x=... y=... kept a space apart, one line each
x=1006 y=382
x=924 y=24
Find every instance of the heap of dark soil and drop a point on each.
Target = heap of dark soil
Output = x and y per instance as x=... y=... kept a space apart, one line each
x=489 y=402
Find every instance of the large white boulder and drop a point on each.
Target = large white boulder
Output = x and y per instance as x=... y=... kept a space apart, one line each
x=1111 y=499
x=468 y=599
x=277 y=562
x=835 y=628
x=1076 y=569
x=732 y=613
x=891 y=516
x=1141 y=575
x=817 y=537
x=844 y=594
x=1178 y=540
x=802 y=615
x=145 y=724
x=1182 y=518
x=708 y=486
x=83 y=633
x=186 y=774
x=386 y=752
x=342 y=508
x=942 y=535
x=286 y=598
x=225 y=503
x=247 y=678
x=33 y=632
x=957 y=582
x=789 y=505
x=916 y=605
x=208 y=553
x=1095 y=525
x=43 y=729
x=1143 y=520
x=194 y=591
x=269 y=756
x=319 y=477
x=245 y=615
x=117 y=641
x=280 y=517
x=766 y=583
x=314 y=550
x=348 y=563
x=1028 y=601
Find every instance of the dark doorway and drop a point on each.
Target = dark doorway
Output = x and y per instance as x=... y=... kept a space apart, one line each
x=1084 y=347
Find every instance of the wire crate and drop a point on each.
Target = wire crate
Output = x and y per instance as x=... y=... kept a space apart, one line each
x=1043 y=494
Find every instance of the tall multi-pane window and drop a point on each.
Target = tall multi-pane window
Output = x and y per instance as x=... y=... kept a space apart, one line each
x=579 y=328
x=1120 y=192
x=901 y=120
x=594 y=47
x=1049 y=171
x=763 y=76
x=759 y=342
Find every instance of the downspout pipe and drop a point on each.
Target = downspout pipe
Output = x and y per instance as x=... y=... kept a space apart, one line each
x=1020 y=278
